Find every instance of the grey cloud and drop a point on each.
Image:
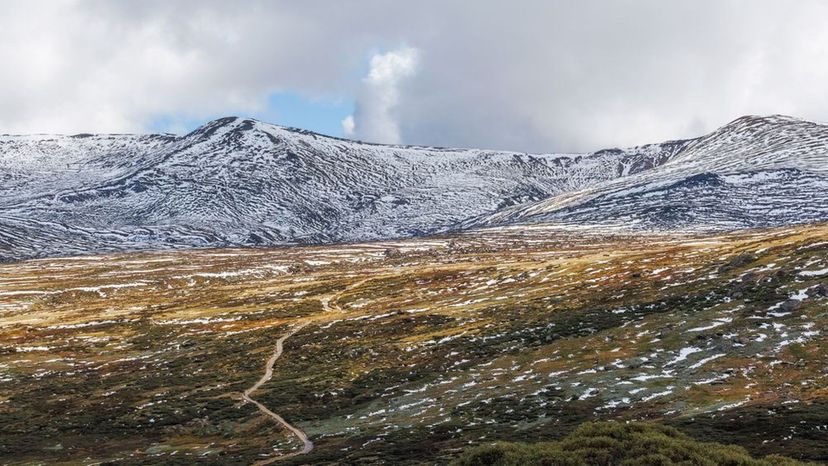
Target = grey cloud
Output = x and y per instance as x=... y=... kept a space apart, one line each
x=534 y=75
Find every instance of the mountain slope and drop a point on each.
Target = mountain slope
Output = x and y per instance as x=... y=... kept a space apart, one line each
x=243 y=182
x=240 y=182
x=753 y=172
x=406 y=357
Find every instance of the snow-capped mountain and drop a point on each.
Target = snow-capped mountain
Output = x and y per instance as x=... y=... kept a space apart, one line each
x=243 y=182
x=753 y=172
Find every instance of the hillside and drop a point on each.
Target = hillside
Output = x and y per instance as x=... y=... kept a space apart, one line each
x=753 y=172
x=409 y=352
x=240 y=182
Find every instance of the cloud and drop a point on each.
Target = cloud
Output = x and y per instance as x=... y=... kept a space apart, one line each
x=549 y=75
x=349 y=126
x=73 y=66
x=374 y=119
x=567 y=76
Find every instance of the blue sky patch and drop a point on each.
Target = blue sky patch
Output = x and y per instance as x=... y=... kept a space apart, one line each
x=322 y=115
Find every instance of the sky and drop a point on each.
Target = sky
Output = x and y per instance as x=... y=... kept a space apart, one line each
x=524 y=75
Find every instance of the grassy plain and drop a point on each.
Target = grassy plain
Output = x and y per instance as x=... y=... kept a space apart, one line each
x=412 y=351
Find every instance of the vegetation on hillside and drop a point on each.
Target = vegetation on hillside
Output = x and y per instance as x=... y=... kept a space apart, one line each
x=615 y=443
x=413 y=351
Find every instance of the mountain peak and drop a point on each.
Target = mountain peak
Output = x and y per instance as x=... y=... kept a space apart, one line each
x=224 y=125
x=763 y=121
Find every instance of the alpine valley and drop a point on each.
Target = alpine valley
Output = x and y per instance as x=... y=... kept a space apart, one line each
x=254 y=294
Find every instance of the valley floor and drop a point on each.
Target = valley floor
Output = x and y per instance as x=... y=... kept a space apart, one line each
x=410 y=351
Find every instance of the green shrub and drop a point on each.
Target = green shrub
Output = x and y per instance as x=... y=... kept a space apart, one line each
x=614 y=443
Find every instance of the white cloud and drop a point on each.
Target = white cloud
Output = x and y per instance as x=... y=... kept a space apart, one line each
x=544 y=75
x=349 y=126
x=374 y=119
x=112 y=66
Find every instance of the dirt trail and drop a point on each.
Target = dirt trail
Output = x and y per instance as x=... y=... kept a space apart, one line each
x=329 y=304
x=327 y=301
x=307 y=444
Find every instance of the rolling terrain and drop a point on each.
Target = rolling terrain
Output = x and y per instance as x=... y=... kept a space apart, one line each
x=241 y=182
x=411 y=351
x=753 y=172
x=423 y=303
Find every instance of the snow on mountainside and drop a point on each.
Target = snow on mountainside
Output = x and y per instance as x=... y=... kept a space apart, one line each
x=753 y=172
x=242 y=182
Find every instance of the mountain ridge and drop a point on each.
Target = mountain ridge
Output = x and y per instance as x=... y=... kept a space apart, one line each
x=241 y=182
x=766 y=147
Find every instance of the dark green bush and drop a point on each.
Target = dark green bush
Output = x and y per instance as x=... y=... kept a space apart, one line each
x=614 y=443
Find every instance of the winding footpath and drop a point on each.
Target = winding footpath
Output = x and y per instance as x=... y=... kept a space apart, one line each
x=307 y=444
